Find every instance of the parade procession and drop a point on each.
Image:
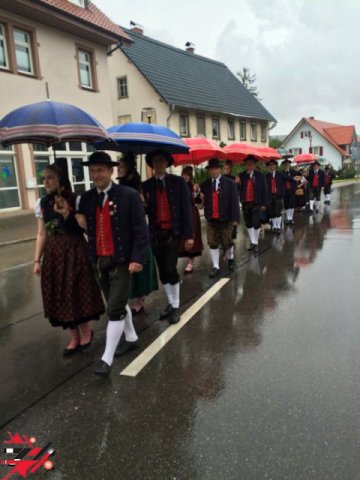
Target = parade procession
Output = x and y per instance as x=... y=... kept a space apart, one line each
x=178 y=277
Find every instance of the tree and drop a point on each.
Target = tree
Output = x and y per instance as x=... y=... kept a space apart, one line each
x=248 y=80
x=275 y=142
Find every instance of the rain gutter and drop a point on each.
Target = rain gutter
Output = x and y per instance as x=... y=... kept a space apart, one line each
x=172 y=109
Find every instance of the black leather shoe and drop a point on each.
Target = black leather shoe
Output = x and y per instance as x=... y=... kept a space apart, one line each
x=70 y=351
x=126 y=347
x=231 y=265
x=174 y=316
x=86 y=345
x=251 y=247
x=255 y=249
x=166 y=313
x=102 y=368
x=214 y=272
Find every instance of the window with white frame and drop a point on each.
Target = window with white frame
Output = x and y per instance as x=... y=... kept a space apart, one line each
x=122 y=119
x=4 y=59
x=317 y=150
x=215 y=127
x=85 y=68
x=263 y=132
x=23 y=51
x=201 y=125
x=9 y=189
x=122 y=87
x=253 y=132
x=184 y=124
x=231 y=129
x=242 y=130
x=296 y=151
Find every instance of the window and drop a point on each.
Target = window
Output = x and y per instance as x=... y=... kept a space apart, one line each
x=122 y=119
x=242 y=130
x=231 y=129
x=318 y=151
x=184 y=124
x=215 y=127
x=4 y=60
x=296 y=151
x=263 y=132
x=9 y=190
x=122 y=87
x=201 y=125
x=85 y=68
x=253 y=132
x=80 y=3
x=24 y=62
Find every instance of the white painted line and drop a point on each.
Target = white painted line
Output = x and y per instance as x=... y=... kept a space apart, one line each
x=149 y=353
x=16 y=266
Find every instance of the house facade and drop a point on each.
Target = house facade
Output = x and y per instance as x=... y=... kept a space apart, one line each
x=331 y=141
x=155 y=82
x=55 y=47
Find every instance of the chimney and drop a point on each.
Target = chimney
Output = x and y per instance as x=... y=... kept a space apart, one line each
x=312 y=118
x=136 y=28
x=190 y=47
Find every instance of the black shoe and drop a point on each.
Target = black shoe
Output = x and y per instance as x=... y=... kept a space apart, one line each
x=174 y=316
x=135 y=312
x=231 y=264
x=70 y=351
x=278 y=231
x=286 y=221
x=166 y=313
x=291 y=222
x=255 y=249
x=126 y=347
x=102 y=368
x=251 y=247
x=86 y=345
x=214 y=272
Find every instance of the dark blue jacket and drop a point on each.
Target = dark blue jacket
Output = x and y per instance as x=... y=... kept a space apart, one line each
x=180 y=205
x=289 y=176
x=321 y=175
x=260 y=188
x=229 y=208
x=129 y=228
x=280 y=184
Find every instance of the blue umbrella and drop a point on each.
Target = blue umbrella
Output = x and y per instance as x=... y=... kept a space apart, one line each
x=142 y=138
x=48 y=123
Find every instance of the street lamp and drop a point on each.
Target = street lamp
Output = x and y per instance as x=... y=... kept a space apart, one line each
x=149 y=116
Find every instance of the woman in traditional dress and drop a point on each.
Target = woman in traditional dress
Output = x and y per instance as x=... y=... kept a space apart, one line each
x=71 y=296
x=144 y=282
x=196 y=203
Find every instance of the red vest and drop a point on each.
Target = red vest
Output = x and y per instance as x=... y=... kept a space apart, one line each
x=327 y=179
x=249 y=193
x=163 y=212
x=215 y=205
x=104 y=238
x=315 y=182
x=273 y=185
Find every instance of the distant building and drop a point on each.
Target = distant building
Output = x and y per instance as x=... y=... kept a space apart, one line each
x=155 y=82
x=332 y=141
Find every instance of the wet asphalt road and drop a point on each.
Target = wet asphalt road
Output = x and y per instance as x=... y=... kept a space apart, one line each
x=262 y=383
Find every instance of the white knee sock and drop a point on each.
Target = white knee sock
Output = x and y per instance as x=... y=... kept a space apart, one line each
x=175 y=295
x=230 y=253
x=251 y=235
x=129 y=330
x=215 y=257
x=291 y=213
x=167 y=288
x=114 y=331
x=311 y=204
x=327 y=197
x=287 y=213
x=278 y=222
x=256 y=235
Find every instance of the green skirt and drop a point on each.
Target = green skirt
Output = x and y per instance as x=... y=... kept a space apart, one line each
x=146 y=281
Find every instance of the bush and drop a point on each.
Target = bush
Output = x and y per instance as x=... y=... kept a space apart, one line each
x=346 y=173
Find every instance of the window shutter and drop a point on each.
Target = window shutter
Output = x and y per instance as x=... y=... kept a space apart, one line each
x=301 y=134
x=310 y=149
x=300 y=151
x=290 y=150
x=321 y=151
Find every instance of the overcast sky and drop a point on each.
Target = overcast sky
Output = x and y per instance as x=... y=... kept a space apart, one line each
x=305 y=53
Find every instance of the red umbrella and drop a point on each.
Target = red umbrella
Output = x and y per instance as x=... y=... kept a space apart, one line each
x=305 y=158
x=201 y=149
x=269 y=153
x=237 y=152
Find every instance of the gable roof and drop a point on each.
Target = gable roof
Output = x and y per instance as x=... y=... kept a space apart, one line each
x=188 y=80
x=90 y=15
x=337 y=135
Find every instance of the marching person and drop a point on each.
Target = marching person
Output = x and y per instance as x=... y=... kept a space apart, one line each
x=316 y=183
x=117 y=242
x=328 y=182
x=276 y=191
x=196 y=203
x=168 y=205
x=253 y=197
x=222 y=212
x=289 y=197
x=71 y=296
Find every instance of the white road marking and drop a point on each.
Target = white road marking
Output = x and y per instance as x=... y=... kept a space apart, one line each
x=149 y=353
x=16 y=267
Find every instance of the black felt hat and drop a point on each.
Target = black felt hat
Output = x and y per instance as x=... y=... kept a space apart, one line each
x=316 y=163
x=252 y=158
x=214 y=163
x=286 y=161
x=150 y=156
x=271 y=162
x=100 y=158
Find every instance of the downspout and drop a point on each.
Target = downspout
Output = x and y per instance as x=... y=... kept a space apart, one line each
x=273 y=125
x=172 y=109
